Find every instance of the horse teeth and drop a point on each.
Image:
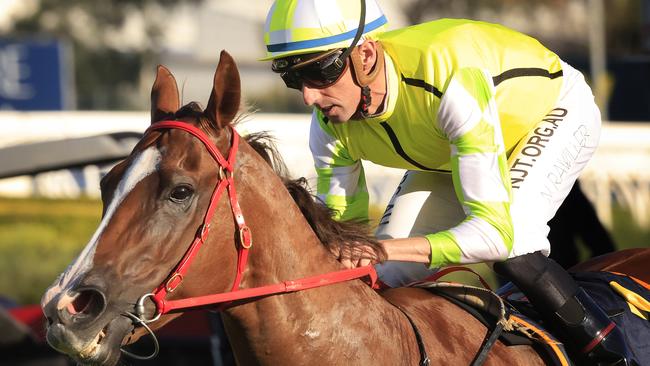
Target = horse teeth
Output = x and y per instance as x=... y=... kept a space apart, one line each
x=91 y=349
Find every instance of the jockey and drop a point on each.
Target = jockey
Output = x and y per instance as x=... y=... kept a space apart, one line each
x=492 y=128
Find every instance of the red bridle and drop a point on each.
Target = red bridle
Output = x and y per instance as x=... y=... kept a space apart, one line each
x=226 y=182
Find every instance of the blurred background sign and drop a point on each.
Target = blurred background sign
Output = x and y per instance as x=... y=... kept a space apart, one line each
x=34 y=75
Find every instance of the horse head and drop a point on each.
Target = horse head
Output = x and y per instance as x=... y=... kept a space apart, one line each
x=153 y=204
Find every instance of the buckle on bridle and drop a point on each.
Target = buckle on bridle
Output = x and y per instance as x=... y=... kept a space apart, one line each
x=224 y=173
x=169 y=286
x=245 y=237
x=203 y=231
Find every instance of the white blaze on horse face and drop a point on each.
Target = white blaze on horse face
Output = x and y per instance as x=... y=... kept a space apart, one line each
x=144 y=164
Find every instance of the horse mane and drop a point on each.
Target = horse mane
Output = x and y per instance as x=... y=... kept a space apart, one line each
x=342 y=235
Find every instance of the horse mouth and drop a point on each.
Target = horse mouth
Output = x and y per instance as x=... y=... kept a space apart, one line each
x=103 y=349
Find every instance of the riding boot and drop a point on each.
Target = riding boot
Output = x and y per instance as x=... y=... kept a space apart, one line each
x=588 y=326
x=581 y=324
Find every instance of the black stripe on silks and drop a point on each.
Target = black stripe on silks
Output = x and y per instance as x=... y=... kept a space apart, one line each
x=525 y=71
x=421 y=84
x=402 y=153
x=509 y=74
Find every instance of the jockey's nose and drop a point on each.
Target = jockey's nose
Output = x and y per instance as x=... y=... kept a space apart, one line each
x=309 y=95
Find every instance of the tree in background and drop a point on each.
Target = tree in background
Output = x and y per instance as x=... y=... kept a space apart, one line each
x=106 y=36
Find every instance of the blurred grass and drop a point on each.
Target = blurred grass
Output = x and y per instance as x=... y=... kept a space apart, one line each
x=40 y=237
x=626 y=233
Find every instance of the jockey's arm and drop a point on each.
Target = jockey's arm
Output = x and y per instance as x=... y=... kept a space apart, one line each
x=468 y=117
x=341 y=182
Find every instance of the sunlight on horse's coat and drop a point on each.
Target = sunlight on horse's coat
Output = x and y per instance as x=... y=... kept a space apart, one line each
x=143 y=165
x=311 y=333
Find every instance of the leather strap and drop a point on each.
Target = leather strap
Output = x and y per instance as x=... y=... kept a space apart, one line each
x=227 y=299
x=424 y=358
x=443 y=272
x=487 y=345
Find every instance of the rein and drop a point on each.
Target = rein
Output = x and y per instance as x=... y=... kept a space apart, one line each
x=226 y=183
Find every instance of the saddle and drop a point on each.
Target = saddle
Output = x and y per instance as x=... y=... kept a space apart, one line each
x=514 y=321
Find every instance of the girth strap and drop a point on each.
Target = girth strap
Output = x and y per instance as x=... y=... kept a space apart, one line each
x=481 y=298
x=424 y=358
x=489 y=341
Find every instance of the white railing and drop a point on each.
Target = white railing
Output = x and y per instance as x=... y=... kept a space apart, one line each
x=619 y=173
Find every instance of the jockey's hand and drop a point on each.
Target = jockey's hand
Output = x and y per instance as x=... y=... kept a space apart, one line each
x=356 y=255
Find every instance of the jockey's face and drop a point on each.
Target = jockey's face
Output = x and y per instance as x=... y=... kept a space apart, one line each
x=338 y=102
x=327 y=83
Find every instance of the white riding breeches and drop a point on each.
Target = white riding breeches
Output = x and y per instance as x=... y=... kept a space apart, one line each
x=543 y=168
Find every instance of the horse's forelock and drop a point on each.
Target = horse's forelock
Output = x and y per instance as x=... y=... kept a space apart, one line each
x=194 y=111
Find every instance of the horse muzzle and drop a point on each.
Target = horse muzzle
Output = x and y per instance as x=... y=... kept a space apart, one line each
x=80 y=326
x=101 y=349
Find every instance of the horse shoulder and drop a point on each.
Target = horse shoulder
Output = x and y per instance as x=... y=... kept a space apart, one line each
x=450 y=333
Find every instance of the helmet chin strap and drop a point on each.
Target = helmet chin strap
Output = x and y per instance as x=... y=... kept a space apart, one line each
x=366 y=100
x=364 y=80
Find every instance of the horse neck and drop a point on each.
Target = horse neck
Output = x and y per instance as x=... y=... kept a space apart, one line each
x=286 y=248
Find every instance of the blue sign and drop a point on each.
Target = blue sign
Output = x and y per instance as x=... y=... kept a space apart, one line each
x=34 y=76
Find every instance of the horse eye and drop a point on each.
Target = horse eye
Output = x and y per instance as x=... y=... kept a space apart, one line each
x=181 y=193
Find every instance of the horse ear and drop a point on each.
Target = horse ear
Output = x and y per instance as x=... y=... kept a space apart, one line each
x=224 y=100
x=164 y=95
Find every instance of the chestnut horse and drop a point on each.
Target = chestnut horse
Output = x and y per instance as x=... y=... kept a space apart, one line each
x=155 y=205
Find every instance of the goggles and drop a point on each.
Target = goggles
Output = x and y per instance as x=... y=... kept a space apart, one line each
x=316 y=70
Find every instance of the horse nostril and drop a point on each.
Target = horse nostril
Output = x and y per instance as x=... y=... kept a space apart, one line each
x=88 y=304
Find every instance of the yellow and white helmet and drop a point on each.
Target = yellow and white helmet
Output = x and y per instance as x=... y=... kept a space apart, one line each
x=296 y=27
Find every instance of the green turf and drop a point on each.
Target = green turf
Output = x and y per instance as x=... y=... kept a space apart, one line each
x=626 y=233
x=40 y=237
